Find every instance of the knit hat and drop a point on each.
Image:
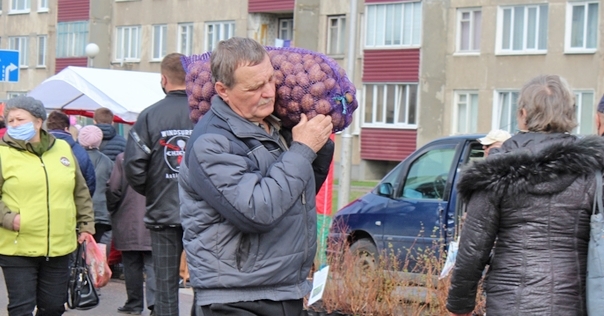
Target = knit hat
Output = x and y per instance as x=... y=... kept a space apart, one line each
x=90 y=136
x=29 y=104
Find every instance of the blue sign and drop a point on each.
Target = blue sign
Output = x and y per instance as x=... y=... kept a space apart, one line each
x=9 y=65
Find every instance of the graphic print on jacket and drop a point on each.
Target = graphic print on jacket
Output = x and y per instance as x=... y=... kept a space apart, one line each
x=174 y=143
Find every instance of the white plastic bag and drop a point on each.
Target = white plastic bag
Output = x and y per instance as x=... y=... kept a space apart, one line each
x=451 y=256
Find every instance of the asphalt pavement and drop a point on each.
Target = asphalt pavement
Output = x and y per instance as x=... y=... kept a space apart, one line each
x=113 y=295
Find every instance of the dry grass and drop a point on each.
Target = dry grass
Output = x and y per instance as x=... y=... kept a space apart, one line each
x=360 y=286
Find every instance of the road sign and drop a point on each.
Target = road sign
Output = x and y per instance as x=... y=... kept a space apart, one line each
x=9 y=65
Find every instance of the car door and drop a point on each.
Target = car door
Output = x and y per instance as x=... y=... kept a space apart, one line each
x=413 y=217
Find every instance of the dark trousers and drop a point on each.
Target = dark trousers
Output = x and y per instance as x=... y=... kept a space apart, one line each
x=254 y=308
x=135 y=263
x=166 y=246
x=34 y=281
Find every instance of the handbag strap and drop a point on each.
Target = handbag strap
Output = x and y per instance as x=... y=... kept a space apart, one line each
x=597 y=206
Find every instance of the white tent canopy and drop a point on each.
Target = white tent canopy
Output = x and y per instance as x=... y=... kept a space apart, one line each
x=125 y=93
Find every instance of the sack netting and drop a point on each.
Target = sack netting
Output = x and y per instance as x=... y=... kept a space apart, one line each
x=307 y=82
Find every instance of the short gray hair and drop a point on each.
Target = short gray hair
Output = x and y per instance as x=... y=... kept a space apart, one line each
x=231 y=54
x=549 y=104
x=29 y=104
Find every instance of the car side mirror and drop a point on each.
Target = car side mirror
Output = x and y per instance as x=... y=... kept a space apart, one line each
x=385 y=189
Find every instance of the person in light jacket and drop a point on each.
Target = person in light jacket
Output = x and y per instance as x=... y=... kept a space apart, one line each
x=45 y=209
x=90 y=138
x=535 y=197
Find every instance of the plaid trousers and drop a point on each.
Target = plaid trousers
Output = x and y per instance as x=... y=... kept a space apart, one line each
x=166 y=245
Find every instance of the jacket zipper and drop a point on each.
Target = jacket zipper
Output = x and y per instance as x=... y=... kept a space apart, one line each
x=47 y=210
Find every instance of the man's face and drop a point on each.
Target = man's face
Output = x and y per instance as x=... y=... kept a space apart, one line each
x=253 y=93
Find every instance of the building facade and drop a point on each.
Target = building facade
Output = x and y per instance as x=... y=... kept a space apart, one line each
x=423 y=69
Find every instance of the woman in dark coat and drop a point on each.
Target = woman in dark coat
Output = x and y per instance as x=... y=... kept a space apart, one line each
x=535 y=197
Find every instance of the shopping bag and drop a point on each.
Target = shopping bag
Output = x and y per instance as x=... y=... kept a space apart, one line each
x=96 y=259
x=595 y=254
x=81 y=293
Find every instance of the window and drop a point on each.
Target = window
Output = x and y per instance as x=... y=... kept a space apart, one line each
x=393 y=25
x=185 y=38
x=286 y=29
x=584 y=101
x=336 y=35
x=20 y=44
x=159 y=41
x=72 y=38
x=41 y=60
x=42 y=5
x=14 y=94
x=581 y=26
x=522 y=29
x=128 y=43
x=19 y=6
x=427 y=176
x=390 y=104
x=468 y=30
x=466 y=112
x=506 y=111
x=218 y=31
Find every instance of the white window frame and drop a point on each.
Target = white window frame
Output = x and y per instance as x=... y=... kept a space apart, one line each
x=473 y=28
x=19 y=6
x=185 y=29
x=212 y=37
x=568 y=28
x=341 y=34
x=158 y=55
x=499 y=50
x=471 y=112
x=41 y=51
x=72 y=38
x=589 y=115
x=22 y=46
x=410 y=26
x=512 y=115
x=286 y=25
x=404 y=94
x=133 y=48
x=43 y=5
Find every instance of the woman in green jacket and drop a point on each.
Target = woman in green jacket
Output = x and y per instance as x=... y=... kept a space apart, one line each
x=44 y=204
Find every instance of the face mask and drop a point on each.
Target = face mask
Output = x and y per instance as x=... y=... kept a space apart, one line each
x=24 y=132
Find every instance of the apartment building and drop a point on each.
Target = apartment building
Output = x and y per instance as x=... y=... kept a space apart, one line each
x=423 y=69
x=482 y=52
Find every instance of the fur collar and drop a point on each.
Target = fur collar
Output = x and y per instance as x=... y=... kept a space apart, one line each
x=544 y=165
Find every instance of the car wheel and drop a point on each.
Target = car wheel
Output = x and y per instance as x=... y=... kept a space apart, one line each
x=366 y=254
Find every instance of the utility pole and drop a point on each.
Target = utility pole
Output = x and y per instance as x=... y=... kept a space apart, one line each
x=346 y=152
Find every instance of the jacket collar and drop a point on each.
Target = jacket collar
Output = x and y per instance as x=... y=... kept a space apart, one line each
x=27 y=146
x=239 y=126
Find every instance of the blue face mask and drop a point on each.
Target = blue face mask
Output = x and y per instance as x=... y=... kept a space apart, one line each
x=24 y=132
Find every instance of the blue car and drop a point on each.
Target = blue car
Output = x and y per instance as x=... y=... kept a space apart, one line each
x=414 y=207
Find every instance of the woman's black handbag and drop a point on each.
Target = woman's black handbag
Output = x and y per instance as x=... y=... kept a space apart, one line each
x=81 y=293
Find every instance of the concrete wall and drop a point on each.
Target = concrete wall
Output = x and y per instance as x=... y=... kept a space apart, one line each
x=30 y=25
x=100 y=31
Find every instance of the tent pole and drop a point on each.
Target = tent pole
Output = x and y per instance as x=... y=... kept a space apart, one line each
x=66 y=104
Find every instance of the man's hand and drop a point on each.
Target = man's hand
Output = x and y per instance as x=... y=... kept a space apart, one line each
x=313 y=133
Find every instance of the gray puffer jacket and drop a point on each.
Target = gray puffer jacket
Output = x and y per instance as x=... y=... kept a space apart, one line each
x=535 y=197
x=102 y=170
x=248 y=210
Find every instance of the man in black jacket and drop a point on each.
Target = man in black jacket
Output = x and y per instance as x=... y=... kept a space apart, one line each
x=113 y=143
x=152 y=159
